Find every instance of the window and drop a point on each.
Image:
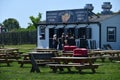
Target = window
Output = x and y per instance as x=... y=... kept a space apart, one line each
x=70 y=32
x=111 y=34
x=84 y=33
x=88 y=33
x=42 y=32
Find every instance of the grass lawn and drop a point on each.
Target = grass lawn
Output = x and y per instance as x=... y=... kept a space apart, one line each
x=107 y=71
x=24 y=48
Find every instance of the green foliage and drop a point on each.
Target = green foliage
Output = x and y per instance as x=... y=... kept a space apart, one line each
x=11 y=24
x=35 y=20
x=31 y=27
x=98 y=13
x=20 y=29
x=118 y=12
x=1 y=24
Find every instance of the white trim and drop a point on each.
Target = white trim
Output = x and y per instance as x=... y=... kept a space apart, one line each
x=51 y=26
x=59 y=26
x=70 y=26
x=79 y=26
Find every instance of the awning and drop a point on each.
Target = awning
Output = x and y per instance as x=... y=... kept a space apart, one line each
x=70 y=26
x=51 y=26
x=59 y=26
x=81 y=26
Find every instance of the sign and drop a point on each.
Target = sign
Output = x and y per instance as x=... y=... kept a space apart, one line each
x=67 y=16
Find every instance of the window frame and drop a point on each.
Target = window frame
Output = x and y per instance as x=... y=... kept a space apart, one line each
x=111 y=33
x=42 y=32
x=84 y=32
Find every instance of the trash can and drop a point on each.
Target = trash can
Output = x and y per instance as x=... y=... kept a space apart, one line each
x=80 y=52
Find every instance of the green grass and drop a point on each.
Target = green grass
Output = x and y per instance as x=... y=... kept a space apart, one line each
x=107 y=71
x=24 y=48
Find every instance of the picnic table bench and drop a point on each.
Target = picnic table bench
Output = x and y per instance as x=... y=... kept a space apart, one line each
x=79 y=63
x=47 y=50
x=25 y=60
x=26 y=57
x=8 y=55
x=40 y=59
x=114 y=55
x=102 y=54
x=13 y=53
x=4 y=58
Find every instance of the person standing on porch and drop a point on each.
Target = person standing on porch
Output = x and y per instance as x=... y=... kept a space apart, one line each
x=66 y=39
x=62 y=40
x=55 y=41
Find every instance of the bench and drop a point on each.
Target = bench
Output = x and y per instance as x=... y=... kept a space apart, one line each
x=98 y=55
x=5 y=59
x=42 y=59
x=22 y=62
x=78 y=62
x=111 y=58
x=117 y=61
x=79 y=67
x=12 y=53
x=28 y=61
x=25 y=60
x=47 y=51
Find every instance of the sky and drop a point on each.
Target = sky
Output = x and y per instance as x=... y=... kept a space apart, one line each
x=21 y=10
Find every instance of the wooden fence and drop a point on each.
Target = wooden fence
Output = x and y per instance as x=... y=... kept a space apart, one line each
x=23 y=37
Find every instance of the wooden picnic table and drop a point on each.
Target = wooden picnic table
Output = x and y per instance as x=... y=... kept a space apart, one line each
x=26 y=59
x=4 y=58
x=45 y=50
x=40 y=59
x=78 y=62
x=9 y=50
x=9 y=55
x=67 y=60
x=110 y=53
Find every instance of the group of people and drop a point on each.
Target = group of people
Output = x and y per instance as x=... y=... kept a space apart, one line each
x=59 y=43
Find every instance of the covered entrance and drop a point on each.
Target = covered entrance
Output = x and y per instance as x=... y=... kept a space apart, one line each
x=78 y=36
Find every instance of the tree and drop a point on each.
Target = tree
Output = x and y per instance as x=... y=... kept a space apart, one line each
x=11 y=24
x=35 y=20
x=118 y=12
x=1 y=25
x=31 y=27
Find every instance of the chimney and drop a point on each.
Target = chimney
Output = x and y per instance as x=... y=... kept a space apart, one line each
x=106 y=8
x=89 y=7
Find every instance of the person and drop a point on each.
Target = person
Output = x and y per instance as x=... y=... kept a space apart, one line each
x=66 y=40
x=62 y=40
x=71 y=41
x=55 y=41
